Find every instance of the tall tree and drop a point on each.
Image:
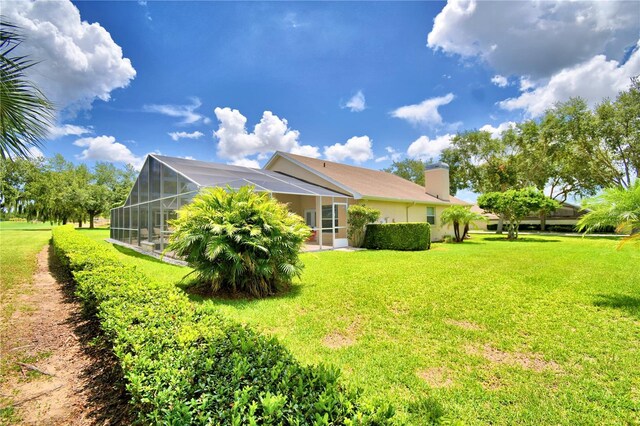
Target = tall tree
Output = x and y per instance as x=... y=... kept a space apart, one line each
x=617 y=128
x=25 y=112
x=479 y=162
x=409 y=169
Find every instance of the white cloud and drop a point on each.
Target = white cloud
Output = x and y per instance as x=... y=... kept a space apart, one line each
x=424 y=148
x=185 y=112
x=592 y=80
x=306 y=150
x=496 y=132
x=357 y=102
x=34 y=152
x=59 y=131
x=392 y=155
x=105 y=148
x=500 y=80
x=526 y=84
x=78 y=62
x=245 y=162
x=425 y=112
x=358 y=148
x=269 y=135
x=537 y=38
x=184 y=135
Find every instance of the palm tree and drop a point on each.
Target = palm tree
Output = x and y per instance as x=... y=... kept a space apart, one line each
x=25 y=113
x=615 y=207
x=459 y=216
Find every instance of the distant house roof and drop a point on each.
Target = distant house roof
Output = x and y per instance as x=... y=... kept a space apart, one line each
x=207 y=174
x=476 y=209
x=367 y=183
x=566 y=211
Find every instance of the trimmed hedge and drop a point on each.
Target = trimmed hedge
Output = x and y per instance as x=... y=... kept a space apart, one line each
x=186 y=364
x=398 y=236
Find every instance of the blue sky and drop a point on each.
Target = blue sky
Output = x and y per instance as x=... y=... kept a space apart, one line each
x=357 y=82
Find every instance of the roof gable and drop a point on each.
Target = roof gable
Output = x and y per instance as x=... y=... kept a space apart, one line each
x=363 y=182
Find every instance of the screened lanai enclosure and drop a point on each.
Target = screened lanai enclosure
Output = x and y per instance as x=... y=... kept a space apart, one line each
x=167 y=183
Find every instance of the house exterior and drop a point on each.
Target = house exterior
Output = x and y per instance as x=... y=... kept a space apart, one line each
x=320 y=191
x=563 y=219
x=398 y=199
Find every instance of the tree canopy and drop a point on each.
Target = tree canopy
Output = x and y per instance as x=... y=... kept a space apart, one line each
x=56 y=190
x=409 y=169
x=513 y=205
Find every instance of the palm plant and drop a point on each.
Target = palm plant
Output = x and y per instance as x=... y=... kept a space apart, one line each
x=615 y=207
x=25 y=112
x=240 y=240
x=458 y=216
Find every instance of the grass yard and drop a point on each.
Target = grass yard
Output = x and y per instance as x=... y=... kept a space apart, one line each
x=19 y=244
x=545 y=330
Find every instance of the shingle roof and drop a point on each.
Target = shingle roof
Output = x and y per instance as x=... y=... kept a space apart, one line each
x=214 y=174
x=369 y=183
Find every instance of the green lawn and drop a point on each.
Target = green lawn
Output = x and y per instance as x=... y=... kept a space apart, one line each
x=542 y=330
x=19 y=244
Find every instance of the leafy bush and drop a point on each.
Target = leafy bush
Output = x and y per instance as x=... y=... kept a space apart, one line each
x=186 y=364
x=240 y=240
x=359 y=216
x=398 y=236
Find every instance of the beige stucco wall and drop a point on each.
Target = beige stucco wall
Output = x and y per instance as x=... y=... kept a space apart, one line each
x=398 y=212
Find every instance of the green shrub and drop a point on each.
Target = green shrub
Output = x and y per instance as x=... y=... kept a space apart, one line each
x=359 y=216
x=398 y=236
x=240 y=240
x=184 y=363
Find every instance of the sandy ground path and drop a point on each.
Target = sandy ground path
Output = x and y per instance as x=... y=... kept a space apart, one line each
x=63 y=374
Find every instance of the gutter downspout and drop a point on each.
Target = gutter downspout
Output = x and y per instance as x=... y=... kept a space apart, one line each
x=407 y=211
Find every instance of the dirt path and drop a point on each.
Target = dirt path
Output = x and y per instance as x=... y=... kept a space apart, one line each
x=62 y=374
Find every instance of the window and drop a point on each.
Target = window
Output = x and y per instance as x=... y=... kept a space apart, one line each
x=431 y=215
x=326 y=218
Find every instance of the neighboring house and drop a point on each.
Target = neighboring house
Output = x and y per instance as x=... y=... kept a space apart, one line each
x=318 y=190
x=563 y=219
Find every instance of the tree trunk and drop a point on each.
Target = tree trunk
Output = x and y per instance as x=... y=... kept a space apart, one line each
x=456 y=231
x=91 y=216
x=466 y=231
x=64 y=220
x=543 y=222
x=79 y=223
x=500 y=225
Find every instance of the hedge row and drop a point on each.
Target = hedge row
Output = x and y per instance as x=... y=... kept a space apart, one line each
x=398 y=236
x=186 y=364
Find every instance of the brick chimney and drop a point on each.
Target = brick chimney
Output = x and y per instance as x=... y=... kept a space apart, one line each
x=436 y=180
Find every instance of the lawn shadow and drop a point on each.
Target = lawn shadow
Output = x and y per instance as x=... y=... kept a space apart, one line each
x=626 y=303
x=238 y=300
x=522 y=240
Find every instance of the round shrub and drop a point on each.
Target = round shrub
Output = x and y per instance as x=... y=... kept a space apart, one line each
x=240 y=240
x=398 y=236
